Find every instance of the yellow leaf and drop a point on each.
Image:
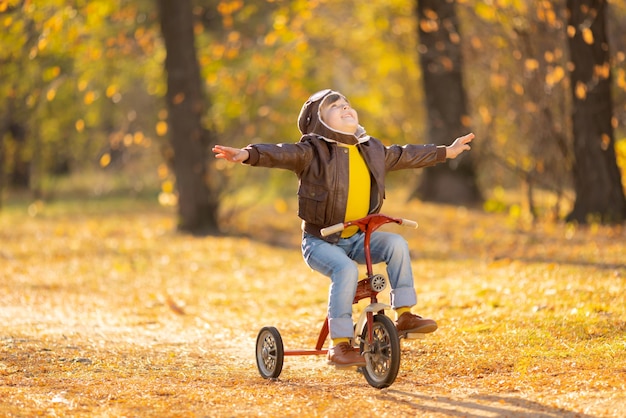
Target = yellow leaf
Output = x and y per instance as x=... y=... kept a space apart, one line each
x=105 y=160
x=486 y=12
x=447 y=63
x=270 y=39
x=588 y=36
x=167 y=186
x=497 y=80
x=548 y=56
x=42 y=43
x=531 y=64
x=571 y=31
x=555 y=76
x=234 y=36
x=559 y=73
x=138 y=137
x=111 y=90
x=51 y=73
x=280 y=205
x=551 y=17
x=621 y=78
x=602 y=71
x=162 y=171
x=581 y=90
x=95 y=54
x=161 y=128
x=428 y=26
x=485 y=114
x=90 y=97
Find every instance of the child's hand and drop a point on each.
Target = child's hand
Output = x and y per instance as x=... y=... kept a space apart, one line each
x=459 y=145
x=234 y=155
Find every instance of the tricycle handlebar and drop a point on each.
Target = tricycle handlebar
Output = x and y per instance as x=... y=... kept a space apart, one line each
x=408 y=223
x=362 y=223
x=329 y=230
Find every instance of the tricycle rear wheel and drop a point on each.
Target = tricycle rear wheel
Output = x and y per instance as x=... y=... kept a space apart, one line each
x=270 y=353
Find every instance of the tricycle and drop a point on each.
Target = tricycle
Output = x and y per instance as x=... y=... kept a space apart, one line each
x=375 y=334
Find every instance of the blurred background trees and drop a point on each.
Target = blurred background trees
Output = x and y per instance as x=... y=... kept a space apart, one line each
x=186 y=103
x=84 y=93
x=441 y=62
x=597 y=182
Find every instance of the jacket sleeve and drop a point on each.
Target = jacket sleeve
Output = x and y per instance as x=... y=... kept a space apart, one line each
x=413 y=156
x=292 y=157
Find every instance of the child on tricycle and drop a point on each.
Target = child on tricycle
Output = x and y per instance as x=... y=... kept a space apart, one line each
x=341 y=172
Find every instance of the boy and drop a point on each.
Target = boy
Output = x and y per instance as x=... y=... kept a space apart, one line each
x=341 y=172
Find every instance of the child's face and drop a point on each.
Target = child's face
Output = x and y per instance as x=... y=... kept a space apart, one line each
x=340 y=116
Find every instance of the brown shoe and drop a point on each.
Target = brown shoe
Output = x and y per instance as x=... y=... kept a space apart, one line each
x=343 y=355
x=411 y=323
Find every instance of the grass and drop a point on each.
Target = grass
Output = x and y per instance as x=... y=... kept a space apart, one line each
x=107 y=311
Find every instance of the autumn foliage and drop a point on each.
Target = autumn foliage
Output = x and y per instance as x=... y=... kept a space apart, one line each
x=83 y=84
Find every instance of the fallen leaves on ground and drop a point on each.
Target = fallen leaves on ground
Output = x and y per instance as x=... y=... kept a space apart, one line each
x=112 y=313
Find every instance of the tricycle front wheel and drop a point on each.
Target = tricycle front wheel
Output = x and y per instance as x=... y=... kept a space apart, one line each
x=382 y=356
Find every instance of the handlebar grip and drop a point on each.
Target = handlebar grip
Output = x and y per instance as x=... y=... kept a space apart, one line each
x=409 y=223
x=329 y=230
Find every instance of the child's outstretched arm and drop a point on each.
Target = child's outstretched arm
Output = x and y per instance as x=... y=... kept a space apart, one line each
x=234 y=155
x=459 y=145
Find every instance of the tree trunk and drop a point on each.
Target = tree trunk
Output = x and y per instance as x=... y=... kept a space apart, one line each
x=597 y=182
x=197 y=205
x=441 y=62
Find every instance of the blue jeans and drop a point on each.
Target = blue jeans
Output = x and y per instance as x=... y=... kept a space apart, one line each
x=337 y=261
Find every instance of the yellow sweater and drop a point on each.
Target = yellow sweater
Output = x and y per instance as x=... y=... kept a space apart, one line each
x=359 y=185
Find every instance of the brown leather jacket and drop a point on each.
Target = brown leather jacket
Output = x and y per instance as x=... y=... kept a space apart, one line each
x=322 y=169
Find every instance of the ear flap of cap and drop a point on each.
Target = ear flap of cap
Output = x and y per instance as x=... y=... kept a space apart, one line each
x=308 y=117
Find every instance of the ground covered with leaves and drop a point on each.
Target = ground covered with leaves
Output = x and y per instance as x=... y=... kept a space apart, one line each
x=106 y=311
